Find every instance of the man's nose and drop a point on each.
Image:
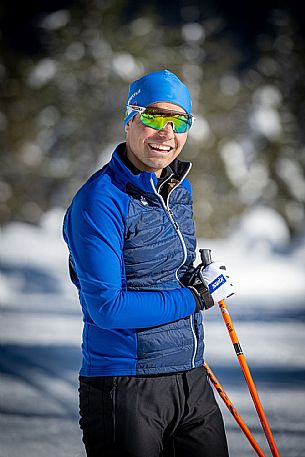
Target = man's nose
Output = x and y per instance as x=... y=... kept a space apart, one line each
x=167 y=130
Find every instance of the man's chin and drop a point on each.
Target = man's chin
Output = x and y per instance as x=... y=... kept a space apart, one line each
x=160 y=164
x=161 y=160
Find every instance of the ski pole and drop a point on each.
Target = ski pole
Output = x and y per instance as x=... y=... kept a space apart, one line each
x=206 y=260
x=234 y=412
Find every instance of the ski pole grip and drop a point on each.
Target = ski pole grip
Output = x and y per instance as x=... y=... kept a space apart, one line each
x=206 y=257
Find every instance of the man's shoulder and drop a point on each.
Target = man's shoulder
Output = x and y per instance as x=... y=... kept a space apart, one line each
x=101 y=191
x=187 y=185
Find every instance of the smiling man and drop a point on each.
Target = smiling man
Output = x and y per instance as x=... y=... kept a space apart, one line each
x=143 y=388
x=153 y=150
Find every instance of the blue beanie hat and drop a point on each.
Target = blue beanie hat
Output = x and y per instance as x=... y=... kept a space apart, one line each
x=159 y=86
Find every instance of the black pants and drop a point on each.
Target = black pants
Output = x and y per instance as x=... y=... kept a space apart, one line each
x=170 y=416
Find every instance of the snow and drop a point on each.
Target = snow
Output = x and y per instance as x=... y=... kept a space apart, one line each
x=262 y=268
x=41 y=325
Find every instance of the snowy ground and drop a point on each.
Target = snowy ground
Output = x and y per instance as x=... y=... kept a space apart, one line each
x=41 y=329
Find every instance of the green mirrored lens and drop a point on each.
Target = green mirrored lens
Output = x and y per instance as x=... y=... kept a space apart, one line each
x=154 y=121
x=181 y=123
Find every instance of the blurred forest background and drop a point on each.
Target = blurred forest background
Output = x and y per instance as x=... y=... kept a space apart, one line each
x=65 y=67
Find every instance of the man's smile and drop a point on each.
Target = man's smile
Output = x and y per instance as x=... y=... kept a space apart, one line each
x=163 y=148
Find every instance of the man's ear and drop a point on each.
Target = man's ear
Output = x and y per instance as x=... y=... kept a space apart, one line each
x=127 y=126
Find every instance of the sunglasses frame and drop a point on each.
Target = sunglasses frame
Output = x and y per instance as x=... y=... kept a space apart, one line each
x=142 y=109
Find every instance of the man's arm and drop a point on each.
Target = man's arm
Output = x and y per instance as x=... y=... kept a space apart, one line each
x=94 y=232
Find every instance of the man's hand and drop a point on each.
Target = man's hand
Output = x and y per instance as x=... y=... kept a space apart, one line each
x=210 y=285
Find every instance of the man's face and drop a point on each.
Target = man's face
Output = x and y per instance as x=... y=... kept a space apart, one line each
x=152 y=150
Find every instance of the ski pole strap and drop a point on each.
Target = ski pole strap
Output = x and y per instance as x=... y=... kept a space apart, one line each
x=202 y=296
x=207 y=298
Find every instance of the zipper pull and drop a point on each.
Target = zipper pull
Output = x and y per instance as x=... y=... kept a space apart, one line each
x=113 y=397
x=173 y=219
x=114 y=386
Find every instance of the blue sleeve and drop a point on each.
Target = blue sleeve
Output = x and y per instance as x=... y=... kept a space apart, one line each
x=94 y=232
x=188 y=186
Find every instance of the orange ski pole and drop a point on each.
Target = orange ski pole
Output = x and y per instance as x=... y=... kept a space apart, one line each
x=248 y=377
x=206 y=260
x=234 y=412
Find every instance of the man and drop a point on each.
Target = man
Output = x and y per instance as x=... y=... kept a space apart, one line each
x=143 y=388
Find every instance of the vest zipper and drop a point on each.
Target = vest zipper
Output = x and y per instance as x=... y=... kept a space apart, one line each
x=164 y=182
x=195 y=339
x=113 y=397
x=176 y=225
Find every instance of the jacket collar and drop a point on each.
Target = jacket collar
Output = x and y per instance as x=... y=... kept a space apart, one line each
x=146 y=181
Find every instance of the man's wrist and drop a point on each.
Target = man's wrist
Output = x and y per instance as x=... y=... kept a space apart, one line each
x=204 y=299
x=198 y=300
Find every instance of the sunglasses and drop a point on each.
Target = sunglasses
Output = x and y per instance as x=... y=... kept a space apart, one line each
x=158 y=118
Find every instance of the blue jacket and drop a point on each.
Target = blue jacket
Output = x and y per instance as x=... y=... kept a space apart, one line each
x=130 y=256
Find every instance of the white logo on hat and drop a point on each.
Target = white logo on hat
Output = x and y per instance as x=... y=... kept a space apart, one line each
x=133 y=96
